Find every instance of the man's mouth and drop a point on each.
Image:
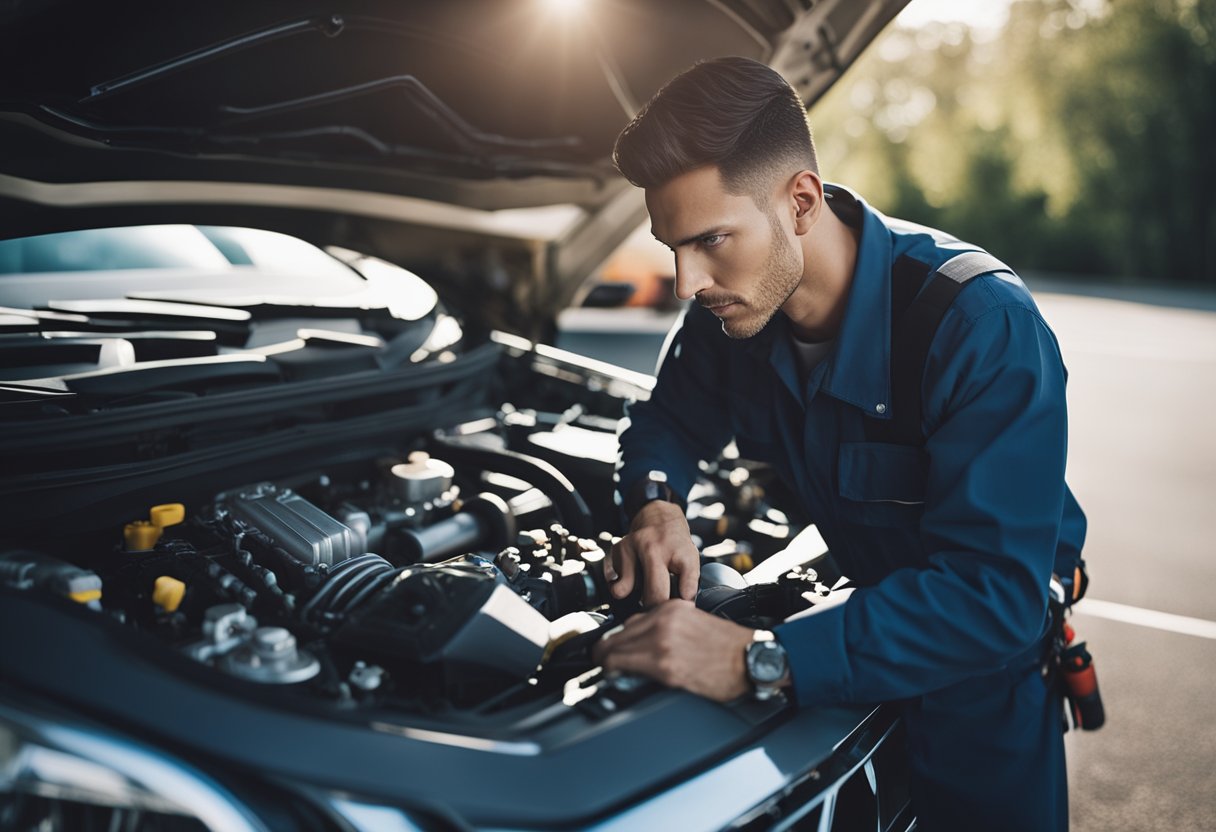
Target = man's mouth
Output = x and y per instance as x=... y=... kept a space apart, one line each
x=719 y=307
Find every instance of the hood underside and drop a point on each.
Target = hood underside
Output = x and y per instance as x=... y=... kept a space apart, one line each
x=483 y=103
x=362 y=122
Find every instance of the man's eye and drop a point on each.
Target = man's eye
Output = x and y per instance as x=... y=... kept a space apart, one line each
x=713 y=240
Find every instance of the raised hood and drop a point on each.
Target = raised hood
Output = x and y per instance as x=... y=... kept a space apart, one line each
x=363 y=108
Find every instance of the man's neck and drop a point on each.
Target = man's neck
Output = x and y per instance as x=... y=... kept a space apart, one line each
x=816 y=308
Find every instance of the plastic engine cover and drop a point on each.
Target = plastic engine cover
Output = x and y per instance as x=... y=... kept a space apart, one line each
x=300 y=528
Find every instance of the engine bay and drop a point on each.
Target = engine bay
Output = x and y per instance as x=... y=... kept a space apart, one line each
x=462 y=576
x=348 y=497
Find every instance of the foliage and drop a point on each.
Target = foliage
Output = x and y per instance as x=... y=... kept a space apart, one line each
x=1080 y=138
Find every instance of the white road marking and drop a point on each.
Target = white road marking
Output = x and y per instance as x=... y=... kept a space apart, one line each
x=1139 y=353
x=1148 y=618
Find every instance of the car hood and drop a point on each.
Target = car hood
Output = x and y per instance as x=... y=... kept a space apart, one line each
x=486 y=104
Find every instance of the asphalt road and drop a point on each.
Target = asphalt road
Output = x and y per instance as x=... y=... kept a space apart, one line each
x=1142 y=462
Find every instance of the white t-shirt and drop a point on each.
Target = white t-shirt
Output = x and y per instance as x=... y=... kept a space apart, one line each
x=809 y=354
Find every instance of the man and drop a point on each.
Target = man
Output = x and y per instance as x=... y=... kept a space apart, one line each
x=952 y=537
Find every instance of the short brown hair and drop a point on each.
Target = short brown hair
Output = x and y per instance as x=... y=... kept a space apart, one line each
x=735 y=113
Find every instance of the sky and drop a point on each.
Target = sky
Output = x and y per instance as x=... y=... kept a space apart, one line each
x=982 y=14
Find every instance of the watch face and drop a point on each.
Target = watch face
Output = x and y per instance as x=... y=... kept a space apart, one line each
x=766 y=662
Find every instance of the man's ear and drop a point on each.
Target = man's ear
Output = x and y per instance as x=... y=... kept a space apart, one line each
x=806 y=197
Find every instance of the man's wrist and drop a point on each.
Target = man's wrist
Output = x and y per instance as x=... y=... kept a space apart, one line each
x=650 y=488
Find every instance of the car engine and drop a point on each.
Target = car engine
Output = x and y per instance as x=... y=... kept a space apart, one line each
x=463 y=575
x=336 y=548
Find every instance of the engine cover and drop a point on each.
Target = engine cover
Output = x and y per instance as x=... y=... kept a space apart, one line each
x=297 y=526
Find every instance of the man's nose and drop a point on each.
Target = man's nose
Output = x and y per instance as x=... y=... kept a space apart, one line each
x=691 y=277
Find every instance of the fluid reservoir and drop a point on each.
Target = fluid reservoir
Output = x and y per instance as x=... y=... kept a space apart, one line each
x=421 y=479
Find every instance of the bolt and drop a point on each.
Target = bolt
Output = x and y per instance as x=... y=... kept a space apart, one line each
x=333 y=26
x=273 y=642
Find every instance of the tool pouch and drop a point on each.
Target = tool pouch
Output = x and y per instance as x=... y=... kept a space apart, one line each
x=1068 y=665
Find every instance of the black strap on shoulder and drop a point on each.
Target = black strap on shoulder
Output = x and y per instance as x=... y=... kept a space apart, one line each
x=917 y=309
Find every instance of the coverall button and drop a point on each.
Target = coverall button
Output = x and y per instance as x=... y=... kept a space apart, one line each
x=880 y=407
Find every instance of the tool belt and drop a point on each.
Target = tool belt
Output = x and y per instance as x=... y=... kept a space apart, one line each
x=1068 y=665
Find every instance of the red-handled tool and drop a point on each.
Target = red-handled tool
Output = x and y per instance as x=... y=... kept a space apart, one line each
x=1081 y=683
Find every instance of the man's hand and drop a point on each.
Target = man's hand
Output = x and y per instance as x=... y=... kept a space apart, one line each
x=682 y=647
x=658 y=543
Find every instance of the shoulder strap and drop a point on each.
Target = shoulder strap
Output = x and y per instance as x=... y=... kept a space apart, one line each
x=916 y=313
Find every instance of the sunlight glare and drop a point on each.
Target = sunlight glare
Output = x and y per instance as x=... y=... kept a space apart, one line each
x=569 y=8
x=981 y=14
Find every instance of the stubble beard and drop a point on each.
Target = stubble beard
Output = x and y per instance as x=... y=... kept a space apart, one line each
x=779 y=277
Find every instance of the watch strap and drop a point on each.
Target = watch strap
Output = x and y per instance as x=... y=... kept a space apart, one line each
x=646 y=490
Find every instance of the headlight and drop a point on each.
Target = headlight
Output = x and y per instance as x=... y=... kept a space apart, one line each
x=56 y=775
x=369 y=817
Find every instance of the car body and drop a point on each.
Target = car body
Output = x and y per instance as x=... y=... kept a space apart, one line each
x=222 y=390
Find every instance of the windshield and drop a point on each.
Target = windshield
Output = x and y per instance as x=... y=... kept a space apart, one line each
x=135 y=314
x=208 y=264
x=196 y=248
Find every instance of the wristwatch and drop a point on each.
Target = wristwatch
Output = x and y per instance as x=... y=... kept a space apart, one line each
x=767 y=664
x=646 y=490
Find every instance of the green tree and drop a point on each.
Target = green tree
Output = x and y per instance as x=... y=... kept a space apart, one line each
x=1082 y=138
x=1140 y=110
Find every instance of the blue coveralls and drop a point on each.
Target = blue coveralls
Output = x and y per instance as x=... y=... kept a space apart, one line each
x=952 y=544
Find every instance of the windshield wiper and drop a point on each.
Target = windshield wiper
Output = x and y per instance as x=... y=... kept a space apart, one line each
x=127 y=306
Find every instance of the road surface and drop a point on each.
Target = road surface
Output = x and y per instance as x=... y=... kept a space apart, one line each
x=1142 y=461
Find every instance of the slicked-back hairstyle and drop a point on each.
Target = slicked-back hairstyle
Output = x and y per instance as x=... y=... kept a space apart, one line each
x=735 y=113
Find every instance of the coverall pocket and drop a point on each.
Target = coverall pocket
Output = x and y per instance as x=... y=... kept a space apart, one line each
x=881 y=484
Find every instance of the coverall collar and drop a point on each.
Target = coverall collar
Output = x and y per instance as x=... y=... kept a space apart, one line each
x=860 y=370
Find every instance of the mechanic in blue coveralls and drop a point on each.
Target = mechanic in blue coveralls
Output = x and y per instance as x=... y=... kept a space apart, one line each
x=787 y=349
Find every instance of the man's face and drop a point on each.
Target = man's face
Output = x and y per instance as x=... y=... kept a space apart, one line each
x=734 y=258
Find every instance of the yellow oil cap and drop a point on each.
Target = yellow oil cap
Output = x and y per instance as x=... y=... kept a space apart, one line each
x=167 y=514
x=142 y=535
x=167 y=593
x=84 y=596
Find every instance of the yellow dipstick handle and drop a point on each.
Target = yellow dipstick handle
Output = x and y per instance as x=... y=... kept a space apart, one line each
x=168 y=514
x=142 y=535
x=167 y=593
